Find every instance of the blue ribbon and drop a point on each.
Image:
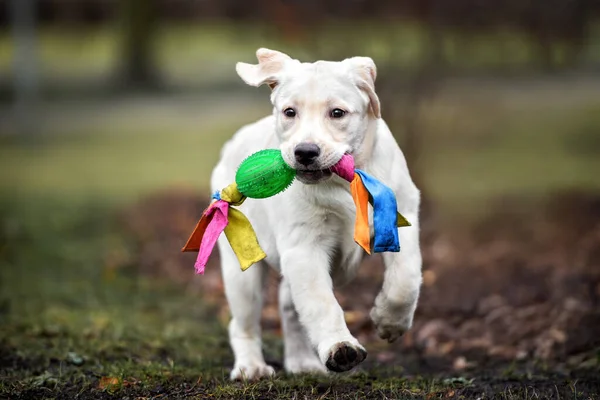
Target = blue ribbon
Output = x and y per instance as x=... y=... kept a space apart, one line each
x=216 y=195
x=385 y=216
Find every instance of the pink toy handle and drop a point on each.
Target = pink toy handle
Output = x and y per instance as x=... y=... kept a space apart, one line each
x=345 y=167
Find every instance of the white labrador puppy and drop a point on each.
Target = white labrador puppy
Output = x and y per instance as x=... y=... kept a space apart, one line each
x=321 y=110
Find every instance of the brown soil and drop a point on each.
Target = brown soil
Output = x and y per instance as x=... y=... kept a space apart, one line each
x=518 y=287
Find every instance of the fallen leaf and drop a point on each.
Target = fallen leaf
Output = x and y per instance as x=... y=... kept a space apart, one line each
x=107 y=382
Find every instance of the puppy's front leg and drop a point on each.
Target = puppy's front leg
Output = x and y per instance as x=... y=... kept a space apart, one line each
x=396 y=303
x=306 y=269
x=299 y=354
x=244 y=291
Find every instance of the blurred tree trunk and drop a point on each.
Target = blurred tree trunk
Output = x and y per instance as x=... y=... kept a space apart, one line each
x=25 y=66
x=139 y=21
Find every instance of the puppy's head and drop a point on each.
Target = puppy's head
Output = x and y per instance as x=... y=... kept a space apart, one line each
x=322 y=109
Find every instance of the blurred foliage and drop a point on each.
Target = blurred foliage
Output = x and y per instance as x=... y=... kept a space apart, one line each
x=192 y=52
x=418 y=45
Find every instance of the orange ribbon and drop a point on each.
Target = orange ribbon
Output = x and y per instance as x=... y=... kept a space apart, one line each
x=362 y=198
x=360 y=195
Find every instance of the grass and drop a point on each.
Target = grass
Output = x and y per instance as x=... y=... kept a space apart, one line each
x=482 y=147
x=477 y=147
x=522 y=161
x=113 y=166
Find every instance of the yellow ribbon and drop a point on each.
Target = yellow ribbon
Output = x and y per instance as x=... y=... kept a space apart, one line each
x=243 y=240
x=402 y=221
x=232 y=195
x=239 y=231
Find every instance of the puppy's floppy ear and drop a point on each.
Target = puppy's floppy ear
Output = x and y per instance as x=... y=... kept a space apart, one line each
x=270 y=65
x=364 y=72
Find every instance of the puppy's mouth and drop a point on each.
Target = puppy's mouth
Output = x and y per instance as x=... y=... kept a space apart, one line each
x=312 y=176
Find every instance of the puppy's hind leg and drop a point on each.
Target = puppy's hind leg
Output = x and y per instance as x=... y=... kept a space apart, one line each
x=396 y=302
x=299 y=354
x=244 y=291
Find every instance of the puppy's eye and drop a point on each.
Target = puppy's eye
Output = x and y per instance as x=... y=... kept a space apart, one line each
x=289 y=112
x=337 y=113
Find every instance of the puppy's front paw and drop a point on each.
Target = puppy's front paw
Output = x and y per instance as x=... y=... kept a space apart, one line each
x=251 y=372
x=344 y=356
x=390 y=326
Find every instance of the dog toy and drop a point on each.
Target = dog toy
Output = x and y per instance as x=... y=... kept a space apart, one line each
x=265 y=174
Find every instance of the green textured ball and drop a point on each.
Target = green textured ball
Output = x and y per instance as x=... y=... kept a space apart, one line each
x=264 y=174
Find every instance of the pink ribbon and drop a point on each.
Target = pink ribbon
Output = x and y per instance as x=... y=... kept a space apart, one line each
x=217 y=213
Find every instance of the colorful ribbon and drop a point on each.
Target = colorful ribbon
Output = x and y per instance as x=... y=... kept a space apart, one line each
x=221 y=217
x=381 y=197
x=366 y=189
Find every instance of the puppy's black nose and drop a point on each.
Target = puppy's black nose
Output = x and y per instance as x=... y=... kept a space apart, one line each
x=307 y=153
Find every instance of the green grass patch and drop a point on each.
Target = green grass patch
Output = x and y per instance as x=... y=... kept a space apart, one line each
x=69 y=319
x=475 y=148
x=473 y=154
x=114 y=167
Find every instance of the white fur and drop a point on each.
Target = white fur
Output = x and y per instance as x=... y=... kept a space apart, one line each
x=307 y=231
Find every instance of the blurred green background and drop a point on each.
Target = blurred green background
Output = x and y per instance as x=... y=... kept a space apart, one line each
x=104 y=103
x=150 y=92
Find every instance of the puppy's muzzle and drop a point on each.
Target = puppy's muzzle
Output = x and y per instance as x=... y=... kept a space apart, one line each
x=306 y=153
x=308 y=169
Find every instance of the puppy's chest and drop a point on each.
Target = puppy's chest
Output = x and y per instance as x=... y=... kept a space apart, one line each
x=338 y=235
x=333 y=213
x=333 y=205
x=346 y=255
x=328 y=215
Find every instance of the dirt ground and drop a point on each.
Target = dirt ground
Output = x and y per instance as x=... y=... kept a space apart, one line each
x=510 y=302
